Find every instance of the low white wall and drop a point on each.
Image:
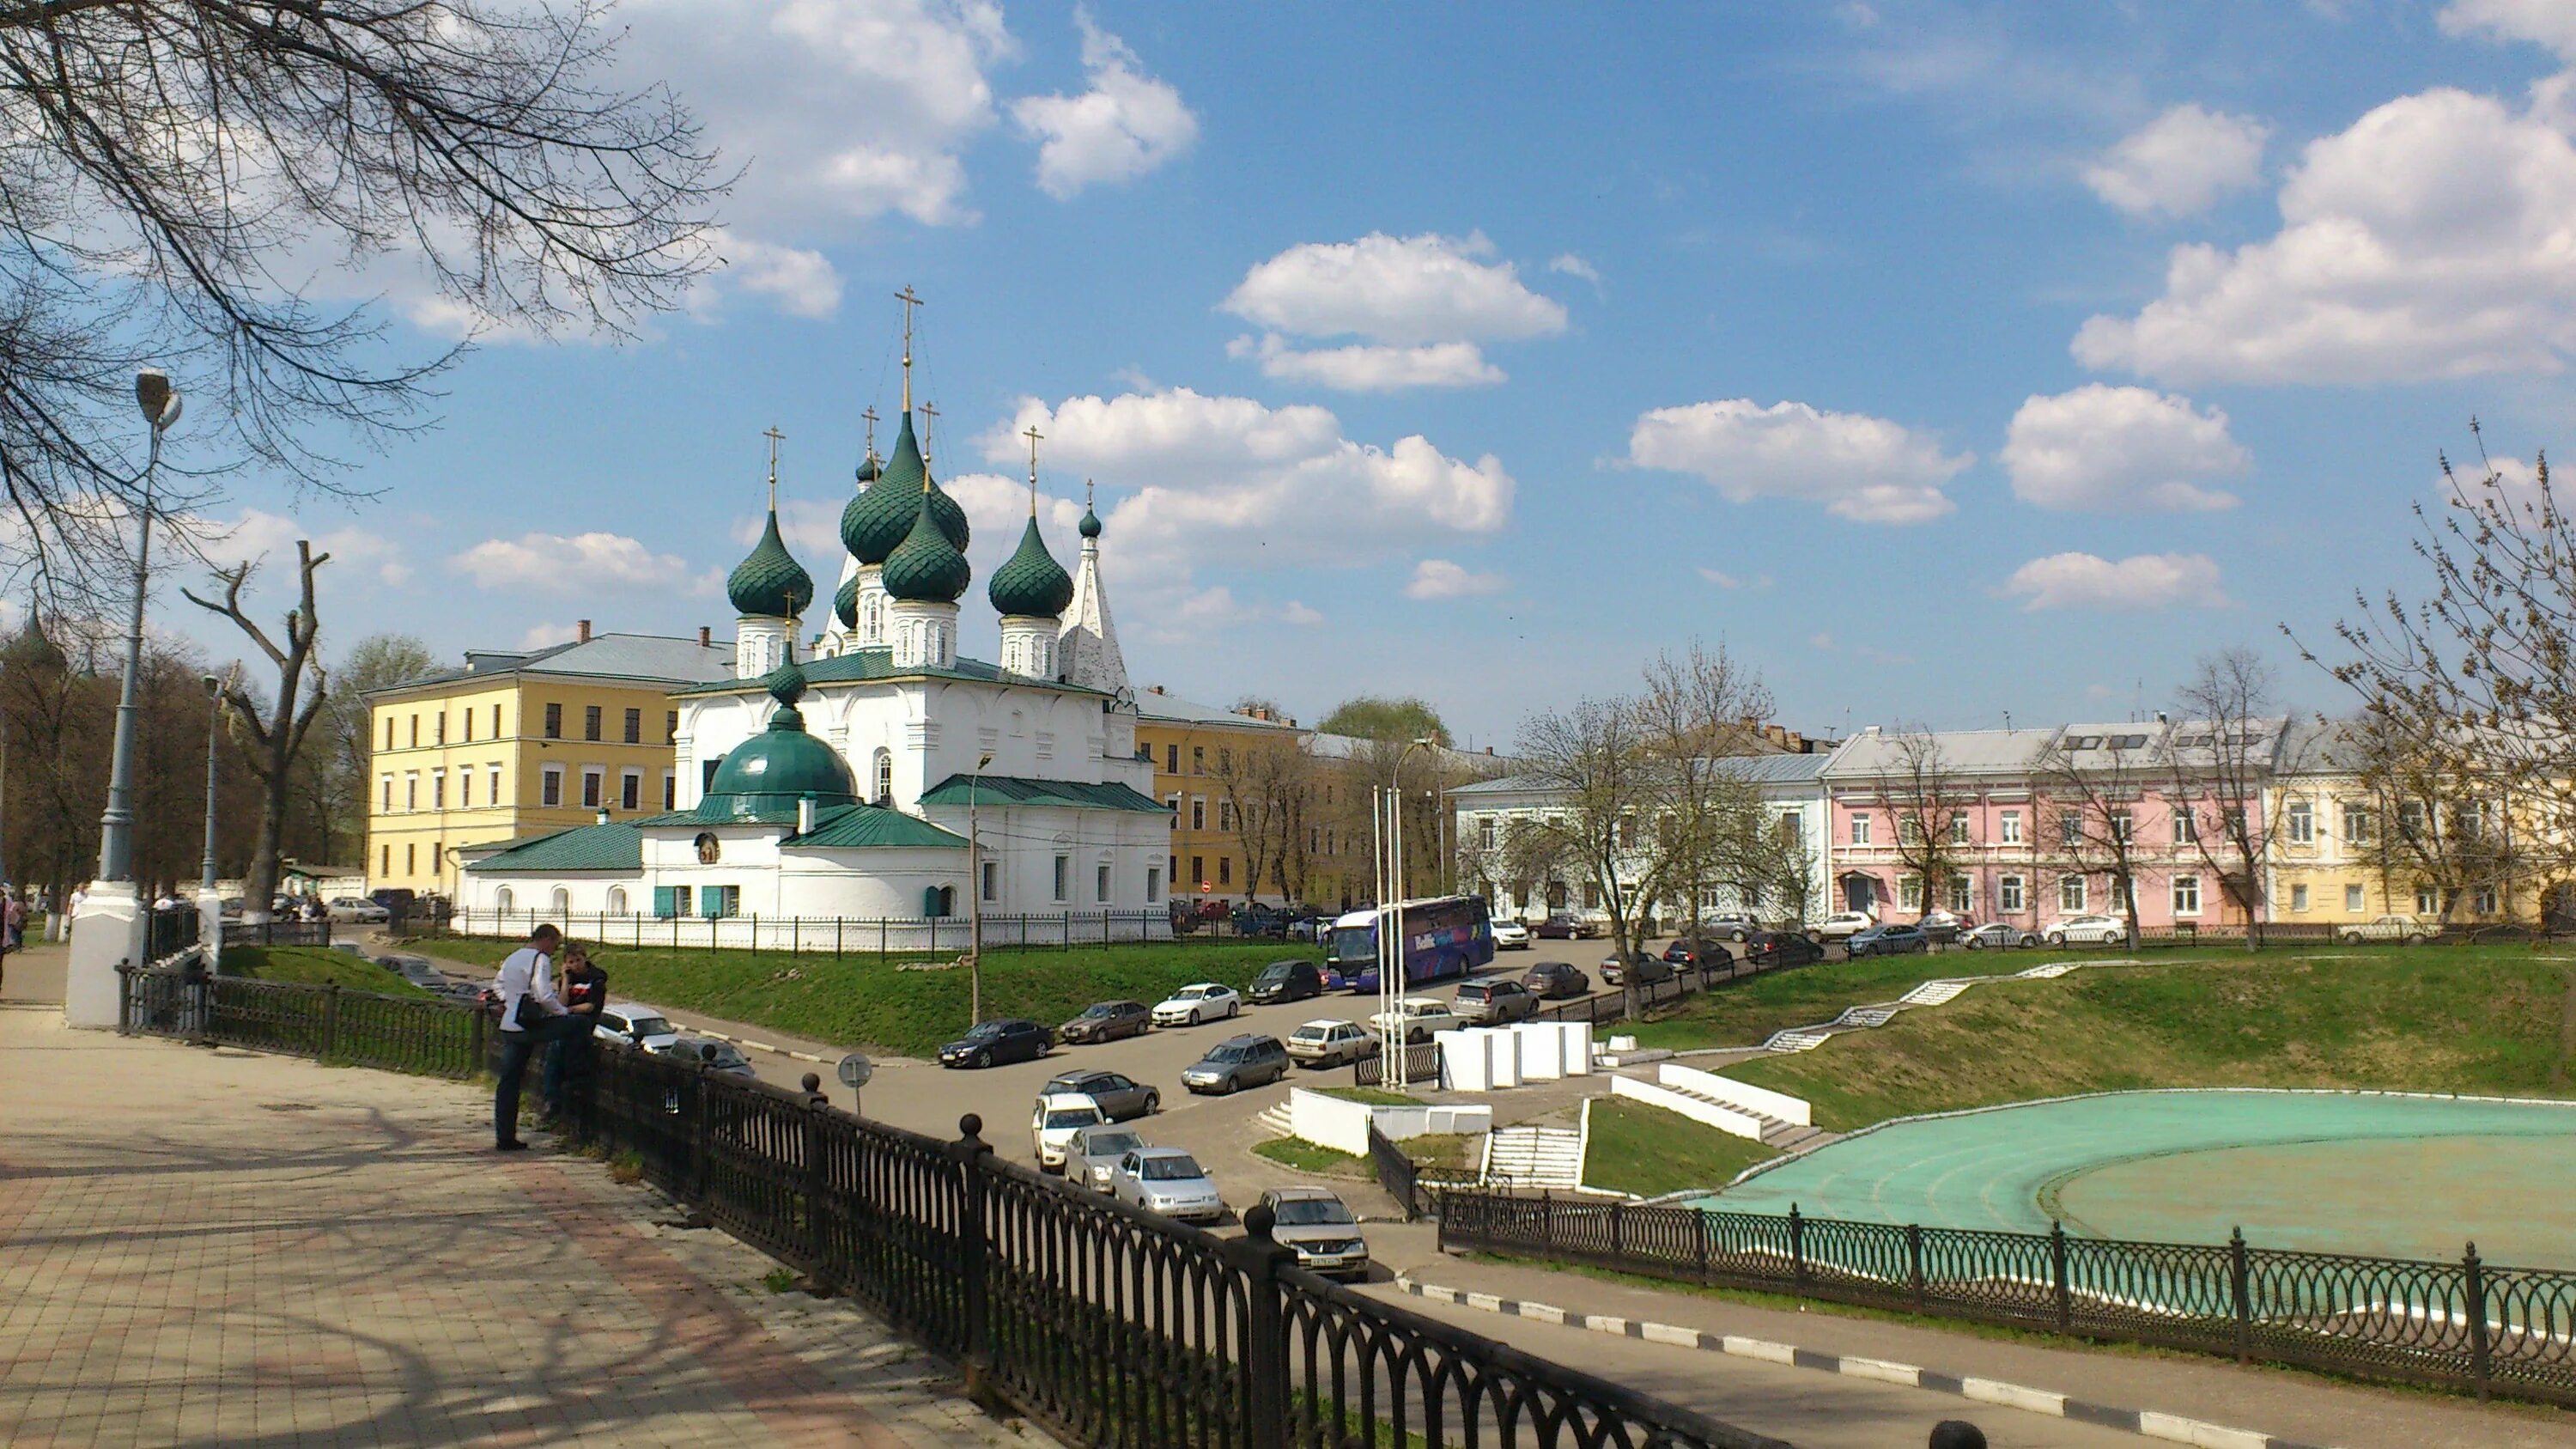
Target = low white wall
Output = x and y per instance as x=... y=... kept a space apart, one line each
x=1724 y=1119
x=1488 y=1058
x=1740 y=1094
x=1329 y=1121
x=1399 y=1123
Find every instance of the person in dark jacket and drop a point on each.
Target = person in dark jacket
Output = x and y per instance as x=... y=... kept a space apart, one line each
x=584 y=991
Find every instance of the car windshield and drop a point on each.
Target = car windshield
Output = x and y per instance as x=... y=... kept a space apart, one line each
x=1172 y=1169
x=1106 y=1008
x=1278 y=972
x=1309 y=1212
x=988 y=1031
x=1189 y=993
x=1111 y=1144
x=1310 y=1033
x=1473 y=993
x=1073 y=1117
x=648 y=1026
x=1229 y=1054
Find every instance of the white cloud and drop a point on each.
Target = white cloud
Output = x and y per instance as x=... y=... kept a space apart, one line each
x=1371 y=367
x=2550 y=23
x=2088 y=581
x=267 y=541
x=2430 y=239
x=1400 y=290
x=2120 y=449
x=801 y=282
x=2181 y=163
x=1862 y=468
x=1127 y=124
x=556 y=563
x=1821 y=641
x=540 y=636
x=1573 y=266
x=1725 y=580
x=1438 y=578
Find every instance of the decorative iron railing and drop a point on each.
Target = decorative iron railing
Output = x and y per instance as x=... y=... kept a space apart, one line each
x=1397 y=1173
x=348 y=1028
x=2467 y=1324
x=167 y=932
x=277 y=933
x=831 y=935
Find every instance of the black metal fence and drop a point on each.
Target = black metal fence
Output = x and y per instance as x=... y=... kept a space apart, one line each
x=327 y=1023
x=1396 y=1172
x=1421 y=1067
x=835 y=935
x=277 y=933
x=2467 y=1324
x=167 y=931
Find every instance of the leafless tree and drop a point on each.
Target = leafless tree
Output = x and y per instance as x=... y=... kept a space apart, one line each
x=177 y=173
x=1925 y=807
x=1594 y=759
x=2442 y=816
x=271 y=734
x=1265 y=784
x=2089 y=814
x=1695 y=711
x=2232 y=740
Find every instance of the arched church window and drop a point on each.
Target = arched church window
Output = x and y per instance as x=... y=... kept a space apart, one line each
x=559 y=902
x=617 y=900
x=505 y=901
x=885 y=776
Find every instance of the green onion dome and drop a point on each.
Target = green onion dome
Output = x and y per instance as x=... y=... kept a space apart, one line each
x=845 y=603
x=1089 y=527
x=1031 y=582
x=875 y=523
x=770 y=772
x=926 y=567
x=769 y=583
x=852 y=513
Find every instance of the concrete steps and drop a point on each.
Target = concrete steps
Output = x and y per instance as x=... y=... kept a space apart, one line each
x=1796 y=1040
x=1533 y=1157
x=1933 y=993
x=1275 y=1118
x=1776 y=1132
x=1865 y=1016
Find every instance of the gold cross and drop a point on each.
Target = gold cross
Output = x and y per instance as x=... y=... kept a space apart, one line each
x=909 y=302
x=1033 y=435
x=775 y=437
x=929 y=415
x=870 y=413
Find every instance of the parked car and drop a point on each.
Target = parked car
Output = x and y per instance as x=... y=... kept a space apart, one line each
x=1997 y=936
x=1119 y=1095
x=1286 y=981
x=1261 y=921
x=1094 y=1150
x=1014 y=1040
x=1054 y=1120
x=357 y=910
x=1771 y=950
x=1497 y=1002
x=1107 y=1021
x=1417 y=1017
x=1206 y=1001
x=636 y=1025
x=720 y=1056
x=1561 y=927
x=2405 y=930
x=2088 y=931
x=1896 y=938
x=1510 y=935
x=1732 y=926
x=1648 y=970
x=1322 y=1043
x=1688 y=953
x=1237 y=1063
x=1841 y=924
x=1314 y=1222
x=1309 y=926
x=1944 y=926
x=393 y=898
x=1169 y=1181
x=1557 y=980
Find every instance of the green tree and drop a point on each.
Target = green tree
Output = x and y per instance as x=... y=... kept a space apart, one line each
x=1395 y=721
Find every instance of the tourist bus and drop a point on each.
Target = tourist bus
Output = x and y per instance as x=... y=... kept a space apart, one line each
x=1444 y=937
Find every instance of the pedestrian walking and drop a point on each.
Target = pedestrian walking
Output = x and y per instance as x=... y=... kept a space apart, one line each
x=532 y=1015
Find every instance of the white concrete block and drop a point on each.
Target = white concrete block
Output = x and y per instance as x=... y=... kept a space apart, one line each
x=1761 y=1348
x=2013 y=1396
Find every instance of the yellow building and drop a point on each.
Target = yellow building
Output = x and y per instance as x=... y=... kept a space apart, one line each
x=1194 y=749
x=519 y=744
x=2331 y=865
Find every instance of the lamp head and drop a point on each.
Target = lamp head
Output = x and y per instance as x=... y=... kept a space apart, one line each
x=156 y=397
x=986 y=760
x=213 y=685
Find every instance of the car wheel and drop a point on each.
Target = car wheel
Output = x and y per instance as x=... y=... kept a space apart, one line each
x=980 y=1059
x=1233 y=1009
x=1153 y=1103
x=1976 y=943
x=1194 y=1016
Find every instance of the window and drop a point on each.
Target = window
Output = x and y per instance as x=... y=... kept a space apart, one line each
x=884 y=775
x=1909 y=893
x=617 y=900
x=389 y=792
x=1485 y=831
x=411 y=860
x=1225 y=815
x=2128 y=742
x=1176 y=866
x=1063 y=877
x=2008 y=827
x=1793 y=830
x=1909 y=830
x=2009 y=896
x=438 y=727
x=707 y=774
x=411 y=791
x=2298 y=898
x=590 y=721
x=630 y=790
x=438 y=789
x=1172 y=804
x=1171 y=759
x=2352 y=902
x=2071 y=894
x=2186 y=826
x=1100 y=883
x=726 y=901
x=559 y=903
x=465 y=786
x=551 y=793
x=505 y=900
x=2410 y=820
x=670 y=790
x=437 y=856
x=591 y=779
x=670 y=726
x=1959 y=829
x=415 y=732
x=2070 y=830
x=1225 y=870
x=2425 y=904
x=1224 y=760
x=2484 y=903
x=465 y=717
x=670 y=901
x=1198 y=812
x=1198 y=869
x=2303 y=823
x=389 y=850
x=1153 y=884
x=554 y=721
x=635 y=727
x=2186 y=895
x=496 y=721
x=2356 y=824
x=1860 y=830
x=389 y=744
x=1963 y=895
x=2124 y=826
x=992 y=886
x=493 y=779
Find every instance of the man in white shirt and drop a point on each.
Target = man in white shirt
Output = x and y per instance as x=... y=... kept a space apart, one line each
x=532 y=1015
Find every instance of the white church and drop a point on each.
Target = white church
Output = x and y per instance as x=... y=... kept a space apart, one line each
x=846 y=784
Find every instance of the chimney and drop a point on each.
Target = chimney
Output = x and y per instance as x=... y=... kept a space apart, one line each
x=581 y=631
x=603 y=815
x=805 y=815
x=1489 y=749
x=1752 y=721
x=705 y=637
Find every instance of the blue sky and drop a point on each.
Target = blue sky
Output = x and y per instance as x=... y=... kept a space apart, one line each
x=1943 y=360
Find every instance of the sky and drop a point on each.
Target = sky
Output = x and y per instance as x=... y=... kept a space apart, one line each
x=1946 y=362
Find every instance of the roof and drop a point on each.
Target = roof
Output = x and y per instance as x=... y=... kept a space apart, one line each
x=1030 y=583
x=769 y=583
x=873 y=827
x=1155 y=707
x=640 y=658
x=1023 y=790
x=1875 y=752
x=1751 y=769
x=615 y=846
x=877 y=663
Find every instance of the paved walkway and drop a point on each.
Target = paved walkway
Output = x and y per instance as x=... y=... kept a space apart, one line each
x=217 y=1247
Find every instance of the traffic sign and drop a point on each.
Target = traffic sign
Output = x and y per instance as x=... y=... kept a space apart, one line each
x=856 y=1070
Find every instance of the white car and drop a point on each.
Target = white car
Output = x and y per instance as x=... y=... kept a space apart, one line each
x=2405 y=930
x=637 y=1025
x=1419 y=1016
x=1328 y=1043
x=1511 y=936
x=1842 y=925
x=2088 y=931
x=1206 y=1001
x=1169 y=1181
x=1057 y=1116
x=357 y=910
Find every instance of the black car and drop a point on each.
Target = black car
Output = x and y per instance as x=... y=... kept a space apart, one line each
x=1286 y=981
x=1557 y=980
x=1108 y=1021
x=1890 y=939
x=1016 y=1040
x=1688 y=953
x=1771 y=950
x=1648 y=970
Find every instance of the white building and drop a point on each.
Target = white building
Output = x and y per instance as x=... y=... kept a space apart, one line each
x=847 y=785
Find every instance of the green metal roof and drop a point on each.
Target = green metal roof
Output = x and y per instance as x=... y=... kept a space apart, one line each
x=615 y=846
x=877 y=662
x=875 y=523
x=870 y=827
x=1021 y=790
x=769 y=583
x=926 y=567
x=1030 y=583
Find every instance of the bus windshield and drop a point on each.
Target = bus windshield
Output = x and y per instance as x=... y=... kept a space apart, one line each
x=1355 y=944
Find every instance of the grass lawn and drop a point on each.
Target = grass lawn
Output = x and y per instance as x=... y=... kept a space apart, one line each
x=315 y=966
x=866 y=1001
x=1301 y=1155
x=2471 y=1019
x=1649 y=1151
x=1746 y=1011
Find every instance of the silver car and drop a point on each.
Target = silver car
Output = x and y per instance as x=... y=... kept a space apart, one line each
x=1323 y=1233
x=1169 y=1181
x=1094 y=1151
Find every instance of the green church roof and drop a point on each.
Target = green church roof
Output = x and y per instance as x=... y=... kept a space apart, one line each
x=845 y=602
x=773 y=770
x=926 y=567
x=873 y=827
x=1031 y=582
x=1023 y=790
x=769 y=583
x=615 y=846
x=876 y=522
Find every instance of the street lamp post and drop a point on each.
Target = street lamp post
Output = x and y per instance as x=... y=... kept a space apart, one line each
x=974 y=899
x=210 y=904
x=1392 y=977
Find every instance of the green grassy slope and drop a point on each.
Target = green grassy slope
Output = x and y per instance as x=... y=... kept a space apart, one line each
x=314 y=966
